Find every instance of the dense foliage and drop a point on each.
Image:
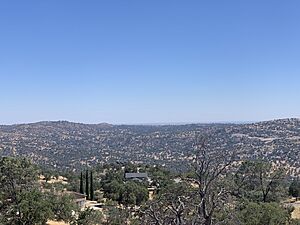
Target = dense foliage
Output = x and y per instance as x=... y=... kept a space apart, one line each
x=23 y=202
x=294 y=189
x=89 y=217
x=115 y=187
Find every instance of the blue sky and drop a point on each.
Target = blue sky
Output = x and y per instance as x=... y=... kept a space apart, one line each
x=149 y=61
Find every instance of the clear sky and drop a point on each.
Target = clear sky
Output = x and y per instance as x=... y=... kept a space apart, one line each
x=142 y=61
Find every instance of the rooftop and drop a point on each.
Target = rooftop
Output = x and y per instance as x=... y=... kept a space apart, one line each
x=136 y=175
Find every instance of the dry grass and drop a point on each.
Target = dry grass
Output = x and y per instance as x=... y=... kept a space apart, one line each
x=56 y=223
x=296 y=212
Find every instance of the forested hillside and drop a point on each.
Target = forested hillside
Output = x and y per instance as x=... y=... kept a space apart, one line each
x=66 y=145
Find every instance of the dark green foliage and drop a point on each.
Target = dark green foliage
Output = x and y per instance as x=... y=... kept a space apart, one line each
x=17 y=174
x=128 y=193
x=112 y=183
x=133 y=193
x=117 y=216
x=33 y=208
x=87 y=190
x=73 y=181
x=294 y=222
x=113 y=190
x=21 y=201
x=294 y=189
x=130 y=168
x=264 y=214
x=47 y=176
x=81 y=184
x=124 y=192
x=160 y=176
x=62 y=206
x=91 y=187
x=89 y=217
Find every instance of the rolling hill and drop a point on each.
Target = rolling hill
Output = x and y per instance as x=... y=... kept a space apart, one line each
x=67 y=145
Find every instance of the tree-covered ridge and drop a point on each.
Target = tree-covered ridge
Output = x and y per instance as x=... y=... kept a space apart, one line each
x=66 y=145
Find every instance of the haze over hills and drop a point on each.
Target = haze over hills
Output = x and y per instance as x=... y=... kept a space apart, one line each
x=67 y=145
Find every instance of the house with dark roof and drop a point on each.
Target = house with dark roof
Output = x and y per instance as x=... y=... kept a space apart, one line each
x=136 y=176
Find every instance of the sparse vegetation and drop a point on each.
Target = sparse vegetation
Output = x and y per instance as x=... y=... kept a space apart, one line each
x=66 y=146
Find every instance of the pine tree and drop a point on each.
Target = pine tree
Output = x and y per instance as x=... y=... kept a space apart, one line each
x=91 y=187
x=81 y=183
x=87 y=190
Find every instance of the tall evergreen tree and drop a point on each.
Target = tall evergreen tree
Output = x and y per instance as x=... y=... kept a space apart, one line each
x=87 y=190
x=91 y=187
x=81 y=183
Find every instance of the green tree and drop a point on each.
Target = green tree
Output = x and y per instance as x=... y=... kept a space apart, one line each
x=87 y=190
x=294 y=222
x=125 y=192
x=63 y=206
x=130 y=168
x=81 y=184
x=117 y=216
x=91 y=186
x=128 y=193
x=264 y=214
x=33 y=208
x=47 y=177
x=113 y=190
x=89 y=217
x=134 y=193
x=294 y=189
x=22 y=202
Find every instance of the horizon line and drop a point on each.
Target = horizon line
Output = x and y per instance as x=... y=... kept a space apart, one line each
x=153 y=123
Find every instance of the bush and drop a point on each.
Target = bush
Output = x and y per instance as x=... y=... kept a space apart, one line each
x=294 y=189
x=264 y=214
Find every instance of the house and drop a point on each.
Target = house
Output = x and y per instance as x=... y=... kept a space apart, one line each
x=137 y=176
x=79 y=199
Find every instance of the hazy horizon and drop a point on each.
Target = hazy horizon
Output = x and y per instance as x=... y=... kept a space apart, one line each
x=154 y=123
x=149 y=62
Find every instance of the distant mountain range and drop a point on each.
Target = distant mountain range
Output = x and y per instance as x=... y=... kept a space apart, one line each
x=66 y=145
